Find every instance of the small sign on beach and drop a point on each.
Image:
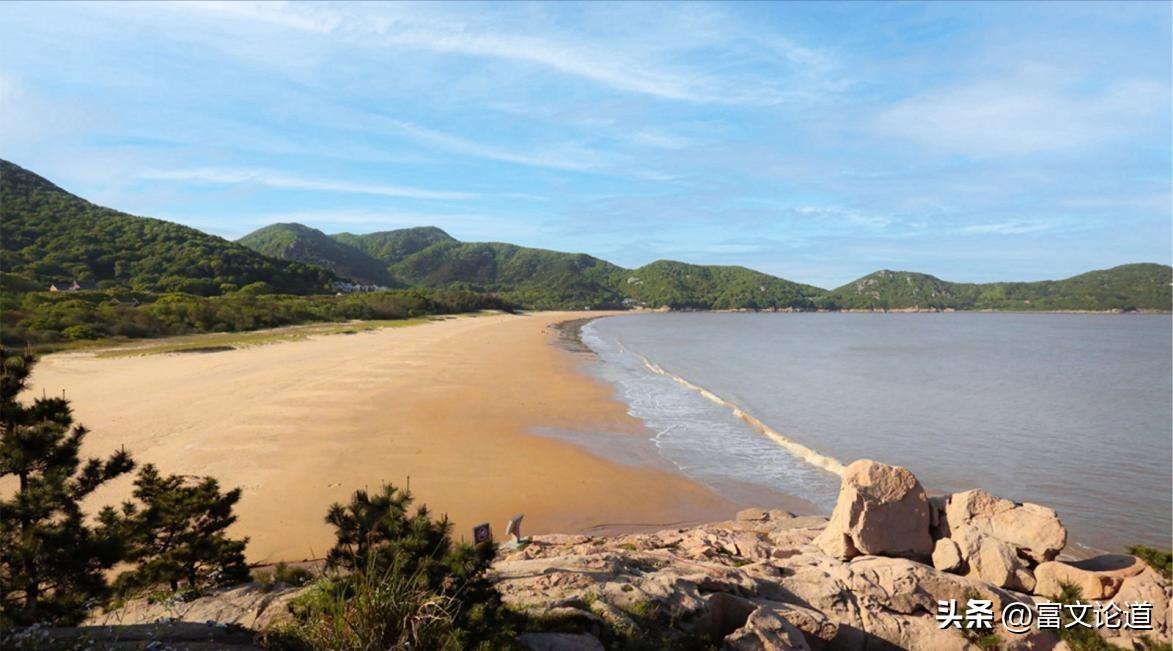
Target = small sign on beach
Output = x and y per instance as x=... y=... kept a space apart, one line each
x=482 y=533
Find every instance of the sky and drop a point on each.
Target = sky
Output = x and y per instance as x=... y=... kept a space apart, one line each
x=817 y=142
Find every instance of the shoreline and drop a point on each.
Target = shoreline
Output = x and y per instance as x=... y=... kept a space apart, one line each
x=451 y=407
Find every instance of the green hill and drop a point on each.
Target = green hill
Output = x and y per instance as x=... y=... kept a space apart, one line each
x=1143 y=286
x=393 y=246
x=310 y=246
x=52 y=236
x=680 y=285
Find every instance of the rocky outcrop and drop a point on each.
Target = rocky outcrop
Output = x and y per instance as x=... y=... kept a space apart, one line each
x=881 y=510
x=1031 y=530
x=1096 y=578
x=771 y=580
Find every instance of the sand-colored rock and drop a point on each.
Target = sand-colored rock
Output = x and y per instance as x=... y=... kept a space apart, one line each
x=766 y=630
x=1091 y=584
x=946 y=555
x=251 y=605
x=1032 y=530
x=1145 y=586
x=881 y=510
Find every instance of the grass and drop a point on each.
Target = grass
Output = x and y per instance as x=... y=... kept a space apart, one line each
x=216 y=342
x=1161 y=561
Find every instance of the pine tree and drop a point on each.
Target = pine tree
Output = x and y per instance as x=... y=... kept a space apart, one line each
x=377 y=534
x=52 y=562
x=176 y=533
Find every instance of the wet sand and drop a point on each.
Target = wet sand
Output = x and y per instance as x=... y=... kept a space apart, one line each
x=453 y=404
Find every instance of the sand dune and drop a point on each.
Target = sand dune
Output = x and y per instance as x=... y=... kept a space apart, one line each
x=451 y=404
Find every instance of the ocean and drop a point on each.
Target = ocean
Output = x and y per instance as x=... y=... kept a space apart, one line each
x=1070 y=411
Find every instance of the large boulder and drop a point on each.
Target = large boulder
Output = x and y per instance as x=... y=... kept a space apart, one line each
x=1034 y=531
x=991 y=560
x=1149 y=587
x=882 y=510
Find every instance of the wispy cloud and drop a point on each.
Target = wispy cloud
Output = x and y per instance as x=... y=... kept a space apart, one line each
x=1020 y=116
x=1007 y=228
x=564 y=156
x=613 y=63
x=279 y=180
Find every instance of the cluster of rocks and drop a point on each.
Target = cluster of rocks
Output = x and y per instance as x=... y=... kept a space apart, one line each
x=870 y=577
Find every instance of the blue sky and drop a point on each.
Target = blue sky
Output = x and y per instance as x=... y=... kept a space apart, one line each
x=818 y=142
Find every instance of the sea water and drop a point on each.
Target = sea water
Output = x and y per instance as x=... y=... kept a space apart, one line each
x=1070 y=411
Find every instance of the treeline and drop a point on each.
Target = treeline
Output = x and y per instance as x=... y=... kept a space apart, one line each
x=44 y=318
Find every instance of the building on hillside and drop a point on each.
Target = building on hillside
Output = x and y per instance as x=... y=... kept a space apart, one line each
x=72 y=287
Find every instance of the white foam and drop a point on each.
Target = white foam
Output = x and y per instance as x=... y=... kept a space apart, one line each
x=798 y=450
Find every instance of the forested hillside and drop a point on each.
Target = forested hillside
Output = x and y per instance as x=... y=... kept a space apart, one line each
x=307 y=245
x=680 y=285
x=52 y=236
x=1128 y=287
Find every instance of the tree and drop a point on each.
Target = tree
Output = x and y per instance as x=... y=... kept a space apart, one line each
x=176 y=533
x=51 y=561
x=376 y=535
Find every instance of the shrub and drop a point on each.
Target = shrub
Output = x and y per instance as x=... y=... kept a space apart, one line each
x=372 y=609
x=392 y=563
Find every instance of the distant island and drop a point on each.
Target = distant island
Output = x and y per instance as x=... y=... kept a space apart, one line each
x=149 y=277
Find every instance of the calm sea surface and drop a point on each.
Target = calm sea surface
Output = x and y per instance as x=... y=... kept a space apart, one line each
x=1070 y=411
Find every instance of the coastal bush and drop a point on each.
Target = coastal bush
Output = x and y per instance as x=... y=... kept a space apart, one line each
x=176 y=533
x=52 y=561
x=371 y=609
x=400 y=581
x=45 y=319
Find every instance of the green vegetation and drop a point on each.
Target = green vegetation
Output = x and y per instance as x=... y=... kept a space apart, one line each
x=402 y=583
x=1127 y=288
x=175 y=533
x=1079 y=636
x=1161 y=561
x=299 y=243
x=55 y=319
x=52 y=561
x=686 y=286
x=533 y=277
x=51 y=236
x=392 y=246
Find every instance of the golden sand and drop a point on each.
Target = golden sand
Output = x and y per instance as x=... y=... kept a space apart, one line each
x=453 y=404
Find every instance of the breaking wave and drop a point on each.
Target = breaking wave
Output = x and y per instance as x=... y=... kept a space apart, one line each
x=798 y=450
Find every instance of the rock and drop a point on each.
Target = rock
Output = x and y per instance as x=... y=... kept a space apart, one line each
x=815 y=626
x=1145 y=586
x=1032 y=530
x=997 y=563
x=946 y=555
x=766 y=630
x=881 y=510
x=251 y=605
x=1091 y=584
x=752 y=514
x=560 y=642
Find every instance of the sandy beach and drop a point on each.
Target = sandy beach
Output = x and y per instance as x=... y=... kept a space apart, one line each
x=452 y=404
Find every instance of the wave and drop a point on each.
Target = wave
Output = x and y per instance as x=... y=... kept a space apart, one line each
x=798 y=450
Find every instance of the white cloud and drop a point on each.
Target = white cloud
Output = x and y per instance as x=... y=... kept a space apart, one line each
x=279 y=180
